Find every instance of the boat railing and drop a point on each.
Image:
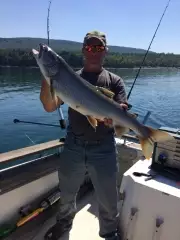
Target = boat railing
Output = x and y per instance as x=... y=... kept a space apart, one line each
x=16 y=170
x=10 y=157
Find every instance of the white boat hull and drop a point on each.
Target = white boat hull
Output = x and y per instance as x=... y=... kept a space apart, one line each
x=12 y=201
x=151 y=209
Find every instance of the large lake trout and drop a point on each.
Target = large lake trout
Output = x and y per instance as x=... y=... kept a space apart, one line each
x=92 y=101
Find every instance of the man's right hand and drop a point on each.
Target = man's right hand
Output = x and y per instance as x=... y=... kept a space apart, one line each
x=50 y=104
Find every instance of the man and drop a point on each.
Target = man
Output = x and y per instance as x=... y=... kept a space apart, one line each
x=86 y=149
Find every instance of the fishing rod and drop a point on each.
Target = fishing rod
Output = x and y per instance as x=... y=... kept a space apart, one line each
x=148 y=50
x=62 y=121
x=60 y=113
x=36 y=123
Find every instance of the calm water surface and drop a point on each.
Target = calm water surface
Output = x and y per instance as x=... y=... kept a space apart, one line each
x=157 y=90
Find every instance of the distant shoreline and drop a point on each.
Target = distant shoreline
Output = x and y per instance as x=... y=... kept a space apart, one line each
x=114 y=60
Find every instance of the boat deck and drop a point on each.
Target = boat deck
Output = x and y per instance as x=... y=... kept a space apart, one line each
x=85 y=225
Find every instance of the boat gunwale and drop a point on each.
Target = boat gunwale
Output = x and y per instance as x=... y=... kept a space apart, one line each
x=37 y=148
x=30 y=150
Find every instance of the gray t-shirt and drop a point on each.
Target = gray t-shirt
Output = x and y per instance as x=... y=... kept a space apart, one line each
x=78 y=124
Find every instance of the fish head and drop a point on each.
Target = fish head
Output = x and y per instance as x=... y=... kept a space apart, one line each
x=47 y=60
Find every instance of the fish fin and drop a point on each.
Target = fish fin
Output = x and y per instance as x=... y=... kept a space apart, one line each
x=92 y=121
x=159 y=135
x=133 y=115
x=147 y=147
x=106 y=92
x=119 y=130
x=156 y=135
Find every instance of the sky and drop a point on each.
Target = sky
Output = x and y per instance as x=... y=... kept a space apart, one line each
x=129 y=23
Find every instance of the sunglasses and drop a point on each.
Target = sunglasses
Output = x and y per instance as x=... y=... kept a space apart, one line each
x=94 y=48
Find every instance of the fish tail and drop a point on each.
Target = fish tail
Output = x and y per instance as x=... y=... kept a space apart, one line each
x=155 y=135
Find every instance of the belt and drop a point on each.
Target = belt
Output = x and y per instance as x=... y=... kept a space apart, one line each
x=81 y=141
x=86 y=142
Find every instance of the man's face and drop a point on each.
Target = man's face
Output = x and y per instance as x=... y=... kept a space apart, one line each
x=94 y=51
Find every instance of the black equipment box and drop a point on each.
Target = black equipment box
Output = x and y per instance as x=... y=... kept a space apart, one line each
x=166 y=156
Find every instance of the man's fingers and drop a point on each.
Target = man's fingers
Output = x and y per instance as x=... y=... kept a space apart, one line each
x=108 y=122
x=123 y=105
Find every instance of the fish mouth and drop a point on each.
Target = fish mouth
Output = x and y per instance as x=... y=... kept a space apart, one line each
x=42 y=48
x=35 y=52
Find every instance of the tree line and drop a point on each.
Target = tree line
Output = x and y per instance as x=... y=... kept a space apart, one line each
x=24 y=58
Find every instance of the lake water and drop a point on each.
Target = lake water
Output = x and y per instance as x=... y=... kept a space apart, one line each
x=157 y=90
